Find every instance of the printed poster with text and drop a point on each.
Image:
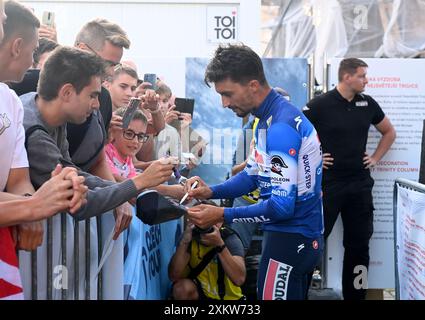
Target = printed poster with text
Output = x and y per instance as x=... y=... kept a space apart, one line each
x=411 y=244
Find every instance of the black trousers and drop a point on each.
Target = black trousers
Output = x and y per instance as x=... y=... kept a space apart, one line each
x=353 y=199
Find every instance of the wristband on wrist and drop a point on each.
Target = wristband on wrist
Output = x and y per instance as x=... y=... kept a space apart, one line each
x=220 y=248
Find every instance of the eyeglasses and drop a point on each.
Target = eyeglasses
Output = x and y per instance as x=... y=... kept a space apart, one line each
x=109 y=63
x=130 y=134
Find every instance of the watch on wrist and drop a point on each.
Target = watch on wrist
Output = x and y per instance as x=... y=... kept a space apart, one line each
x=220 y=248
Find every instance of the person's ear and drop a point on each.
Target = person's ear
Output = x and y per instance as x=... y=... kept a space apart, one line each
x=346 y=77
x=17 y=46
x=112 y=135
x=66 y=92
x=107 y=84
x=254 y=85
x=82 y=46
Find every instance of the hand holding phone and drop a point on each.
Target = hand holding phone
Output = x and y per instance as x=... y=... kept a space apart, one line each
x=151 y=78
x=184 y=105
x=48 y=19
x=133 y=105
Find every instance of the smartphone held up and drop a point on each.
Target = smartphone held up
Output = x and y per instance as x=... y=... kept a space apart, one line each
x=133 y=105
x=48 y=19
x=151 y=78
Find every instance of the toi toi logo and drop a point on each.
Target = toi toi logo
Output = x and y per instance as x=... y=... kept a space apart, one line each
x=225 y=27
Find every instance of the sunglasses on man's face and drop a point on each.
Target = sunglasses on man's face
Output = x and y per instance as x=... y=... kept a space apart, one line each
x=130 y=134
x=108 y=63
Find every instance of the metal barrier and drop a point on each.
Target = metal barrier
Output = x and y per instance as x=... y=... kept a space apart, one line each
x=61 y=230
x=410 y=185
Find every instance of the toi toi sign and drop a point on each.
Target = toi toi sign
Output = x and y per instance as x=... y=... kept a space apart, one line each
x=222 y=24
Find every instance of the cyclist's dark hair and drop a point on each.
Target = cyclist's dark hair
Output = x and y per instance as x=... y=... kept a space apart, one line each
x=236 y=62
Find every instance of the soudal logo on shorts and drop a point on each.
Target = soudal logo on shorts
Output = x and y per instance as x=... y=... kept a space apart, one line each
x=277 y=280
x=315 y=245
x=278 y=165
x=292 y=152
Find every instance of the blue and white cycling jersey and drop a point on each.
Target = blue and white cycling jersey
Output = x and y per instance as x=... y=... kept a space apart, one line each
x=286 y=164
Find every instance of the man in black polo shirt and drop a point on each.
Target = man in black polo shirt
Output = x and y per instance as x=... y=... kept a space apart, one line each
x=342 y=118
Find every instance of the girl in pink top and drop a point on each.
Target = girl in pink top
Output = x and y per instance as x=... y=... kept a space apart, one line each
x=124 y=145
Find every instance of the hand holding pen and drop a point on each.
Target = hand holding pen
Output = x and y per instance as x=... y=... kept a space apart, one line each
x=196 y=188
x=187 y=193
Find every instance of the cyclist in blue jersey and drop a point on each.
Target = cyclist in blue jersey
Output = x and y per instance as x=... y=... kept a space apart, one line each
x=285 y=163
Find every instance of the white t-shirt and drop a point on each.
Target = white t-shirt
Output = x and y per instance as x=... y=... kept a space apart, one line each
x=167 y=143
x=12 y=134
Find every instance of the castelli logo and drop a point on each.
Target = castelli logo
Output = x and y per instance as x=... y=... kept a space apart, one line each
x=315 y=245
x=292 y=152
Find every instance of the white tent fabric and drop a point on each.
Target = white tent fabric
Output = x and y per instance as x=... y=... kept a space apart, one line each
x=405 y=35
x=296 y=36
x=331 y=36
x=357 y=28
x=312 y=27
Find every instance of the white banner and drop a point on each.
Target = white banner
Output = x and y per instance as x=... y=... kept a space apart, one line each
x=399 y=88
x=411 y=244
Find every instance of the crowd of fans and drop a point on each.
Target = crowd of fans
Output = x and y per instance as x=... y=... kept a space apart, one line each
x=65 y=148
